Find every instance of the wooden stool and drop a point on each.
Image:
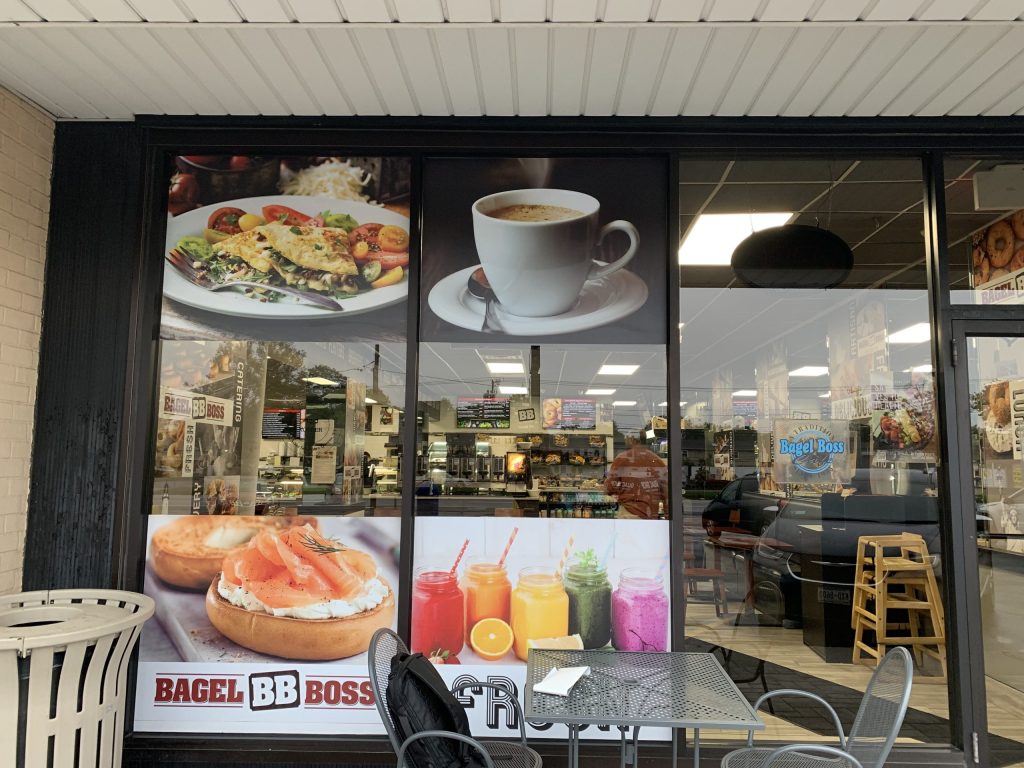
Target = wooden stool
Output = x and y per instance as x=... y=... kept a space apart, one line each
x=693 y=575
x=897 y=582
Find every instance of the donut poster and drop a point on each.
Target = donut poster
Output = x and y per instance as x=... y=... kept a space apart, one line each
x=997 y=261
x=263 y=623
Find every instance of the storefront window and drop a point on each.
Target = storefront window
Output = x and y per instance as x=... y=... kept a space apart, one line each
x=542 y=455
x=985 y=231
x=809 y=429
x=274 y=517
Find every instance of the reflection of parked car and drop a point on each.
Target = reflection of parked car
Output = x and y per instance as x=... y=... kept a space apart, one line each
x=740 y=507
x=818 y=543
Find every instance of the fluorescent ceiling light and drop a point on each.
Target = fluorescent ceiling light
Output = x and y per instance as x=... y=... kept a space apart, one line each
x=927 y=368
x=682 y=403
x=496 y=367
x=915 y=334
x=663 y=405
x=617 y=370
x=371 y=401
x=825 y=394
x=810 y=370
x=510 y=390
x=624 y=402
x=744 y=393
x=714 y=236
x=599 y=391
x=321 y=381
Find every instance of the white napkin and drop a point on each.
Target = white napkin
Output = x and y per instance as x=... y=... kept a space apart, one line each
x=560 y=681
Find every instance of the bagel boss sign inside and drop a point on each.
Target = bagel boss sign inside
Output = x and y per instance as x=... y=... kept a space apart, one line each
x=812 y=451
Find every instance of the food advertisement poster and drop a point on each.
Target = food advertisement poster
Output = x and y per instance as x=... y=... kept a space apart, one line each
x=814 y=451
x=903 y=418
x=262 y=623
x=486 y=589
x=997 y=261
x=266 y=247
x=569 y=249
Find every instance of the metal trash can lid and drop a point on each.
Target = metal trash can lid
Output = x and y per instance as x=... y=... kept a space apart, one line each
x=58 y=622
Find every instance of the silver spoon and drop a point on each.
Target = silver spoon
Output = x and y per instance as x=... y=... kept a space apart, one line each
x=478 y=286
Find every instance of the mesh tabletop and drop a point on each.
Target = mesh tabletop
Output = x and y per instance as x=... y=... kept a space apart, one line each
x=680 y=690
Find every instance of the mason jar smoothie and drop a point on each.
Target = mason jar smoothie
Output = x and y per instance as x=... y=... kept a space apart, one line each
x=438 y=612
x=488 y=593
x=640 y=612
x=590 y=601
x=540 y=608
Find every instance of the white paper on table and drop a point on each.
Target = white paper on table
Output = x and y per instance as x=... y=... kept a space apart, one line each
x=560 y=681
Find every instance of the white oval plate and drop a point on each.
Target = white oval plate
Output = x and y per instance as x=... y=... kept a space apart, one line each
x=601 y=302
x=230 y=302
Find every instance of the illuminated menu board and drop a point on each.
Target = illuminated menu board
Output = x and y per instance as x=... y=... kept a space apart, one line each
x=483 y=413
x=569 y=413
x=282 y=424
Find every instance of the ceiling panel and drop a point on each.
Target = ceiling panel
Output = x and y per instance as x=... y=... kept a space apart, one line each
x=607 y=59
x=495 y=63
x=644 y=70
x=531 y=56
x=794 y=58
x=687 y=49
x=231 y=60
x=415 y=46
x=769 y=43
x=459 y=70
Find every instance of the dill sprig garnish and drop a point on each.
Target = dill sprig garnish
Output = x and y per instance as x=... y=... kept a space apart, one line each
x=325 y=547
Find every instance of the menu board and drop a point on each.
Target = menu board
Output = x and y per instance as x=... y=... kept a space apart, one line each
x=570 y=413
x=282 y=423
x=483 y=413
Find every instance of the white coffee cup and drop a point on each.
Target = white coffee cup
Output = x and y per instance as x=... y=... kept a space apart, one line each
x=538 y=268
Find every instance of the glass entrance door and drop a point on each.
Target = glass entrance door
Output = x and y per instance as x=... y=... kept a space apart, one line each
x=995 y=388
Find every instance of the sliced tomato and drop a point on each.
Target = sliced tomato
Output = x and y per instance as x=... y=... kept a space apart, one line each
x=367 y=233
x=226 y=220
x=391 y=260
x=285 y=215
x=393 y=239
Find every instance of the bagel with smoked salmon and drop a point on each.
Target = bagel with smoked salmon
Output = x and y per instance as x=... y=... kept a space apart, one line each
x=189 y=551
x=296 y=594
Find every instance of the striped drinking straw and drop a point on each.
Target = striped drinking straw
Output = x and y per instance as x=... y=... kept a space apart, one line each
x=565 y=556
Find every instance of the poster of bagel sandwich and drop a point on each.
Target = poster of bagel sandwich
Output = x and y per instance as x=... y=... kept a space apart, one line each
x=997 y=261
x=263 y=623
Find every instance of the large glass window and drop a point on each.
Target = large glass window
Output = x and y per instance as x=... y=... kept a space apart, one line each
x=273 y=526
x=985 y=230
x=809 y=429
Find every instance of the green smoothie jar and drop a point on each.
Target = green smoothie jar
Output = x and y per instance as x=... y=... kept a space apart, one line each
x=590 y=600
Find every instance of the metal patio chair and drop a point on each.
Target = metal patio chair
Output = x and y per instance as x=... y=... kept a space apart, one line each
x=874 y=730
x=384 y=646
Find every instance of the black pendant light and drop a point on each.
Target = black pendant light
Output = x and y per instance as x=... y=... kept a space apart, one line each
x=792 y=256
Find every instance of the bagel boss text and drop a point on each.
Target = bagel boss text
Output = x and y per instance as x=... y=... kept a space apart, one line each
x=264 y=691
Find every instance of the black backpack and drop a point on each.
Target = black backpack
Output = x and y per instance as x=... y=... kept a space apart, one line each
x=418 y=700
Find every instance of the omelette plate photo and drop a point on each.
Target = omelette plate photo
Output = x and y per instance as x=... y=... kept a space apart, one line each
x=317 y=244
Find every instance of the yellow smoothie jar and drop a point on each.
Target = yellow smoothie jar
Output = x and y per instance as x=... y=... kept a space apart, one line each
x=540 y=608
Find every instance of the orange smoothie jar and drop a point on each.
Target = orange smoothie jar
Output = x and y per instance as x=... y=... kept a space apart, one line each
x=488 y=592
x=540 y=608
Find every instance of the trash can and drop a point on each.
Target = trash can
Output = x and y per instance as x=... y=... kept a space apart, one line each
x=63 y=673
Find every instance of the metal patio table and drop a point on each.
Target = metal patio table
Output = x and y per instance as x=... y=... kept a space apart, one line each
x=627 y=688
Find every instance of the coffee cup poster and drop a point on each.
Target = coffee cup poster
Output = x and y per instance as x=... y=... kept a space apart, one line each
x=568 y=249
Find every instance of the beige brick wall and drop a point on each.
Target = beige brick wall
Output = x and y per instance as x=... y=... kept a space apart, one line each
x=26 y=147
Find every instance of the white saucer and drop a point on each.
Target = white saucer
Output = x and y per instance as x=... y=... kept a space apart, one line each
x=601 y=302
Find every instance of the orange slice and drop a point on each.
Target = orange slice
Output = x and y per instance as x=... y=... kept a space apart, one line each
x=491 y=639
x=566 y=643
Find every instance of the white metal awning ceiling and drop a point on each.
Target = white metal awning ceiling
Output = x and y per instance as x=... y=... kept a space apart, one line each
x=113 y=59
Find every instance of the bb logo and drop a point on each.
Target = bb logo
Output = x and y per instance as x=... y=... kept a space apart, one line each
x=198 y=407
x=273 y=690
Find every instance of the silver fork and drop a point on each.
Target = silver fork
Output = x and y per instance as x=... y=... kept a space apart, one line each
x=182 y=261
